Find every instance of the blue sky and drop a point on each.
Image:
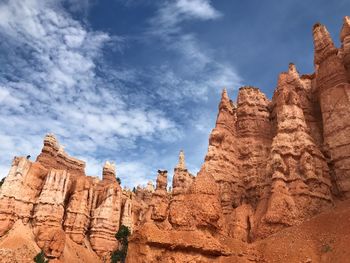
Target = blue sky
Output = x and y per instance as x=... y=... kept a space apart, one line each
x=135 y=81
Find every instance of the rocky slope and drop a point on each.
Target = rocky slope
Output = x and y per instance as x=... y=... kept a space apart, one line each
x=271 y=166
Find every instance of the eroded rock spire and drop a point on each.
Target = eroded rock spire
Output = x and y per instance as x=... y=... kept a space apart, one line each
x=181 y=164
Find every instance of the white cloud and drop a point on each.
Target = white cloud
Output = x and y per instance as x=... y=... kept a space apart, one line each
x=172 y=13
x=198 y=70
x=197 y=8
x=57 y=79
x=134 y=173
x=53 y=85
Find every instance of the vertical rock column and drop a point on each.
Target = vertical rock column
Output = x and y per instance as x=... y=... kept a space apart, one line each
x=160 y=198
x=77 y=216
x=48 y=213
x=127 y=218
x=298 y=176
x=254 y=133
x=221 y=161
x=19 y=192
x=182 y=179
x=334 y=95
x=106 y=213
x=345 y=48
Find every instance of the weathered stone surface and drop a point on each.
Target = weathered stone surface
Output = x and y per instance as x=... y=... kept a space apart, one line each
x=127 y=215
x=270 y=165
x=19 y=192
x=182 y=179
x=344 y=51
x=105 y=217
x=49 y=211
x=55 y=198
x=160 y=199
x=53 y=156
x=334 y=96
x=297 y=172
x=77 y=217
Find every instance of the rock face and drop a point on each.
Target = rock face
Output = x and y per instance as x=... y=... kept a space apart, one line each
x=57 y=201
x=182 y=179
x=271 y=164
x=334 y=95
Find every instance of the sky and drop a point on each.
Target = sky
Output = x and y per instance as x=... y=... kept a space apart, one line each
x=136 y=81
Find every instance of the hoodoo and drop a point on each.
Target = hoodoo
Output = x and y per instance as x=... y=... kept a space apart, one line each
x=274 y=185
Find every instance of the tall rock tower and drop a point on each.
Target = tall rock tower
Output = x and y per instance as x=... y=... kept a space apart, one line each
x=334 y=96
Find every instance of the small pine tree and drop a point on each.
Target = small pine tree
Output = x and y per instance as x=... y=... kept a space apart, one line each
x=2 y=181
x=40 y=258
x=119 y=181
x=122 y=236
x=134 y=190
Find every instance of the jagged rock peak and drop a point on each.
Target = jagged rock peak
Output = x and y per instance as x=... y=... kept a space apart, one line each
x=53 y=156
x=109 y=171
x=345 y=31
x=292 y=69
x=150 y=187
x=110 y=166
x=51 y=138
x=288 y=77
x=225 y=102
x=162 y=180
x=250 y=95
x=323 y=43
x=181 y=164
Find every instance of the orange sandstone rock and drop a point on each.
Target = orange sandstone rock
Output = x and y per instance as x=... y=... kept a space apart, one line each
x=270 y=165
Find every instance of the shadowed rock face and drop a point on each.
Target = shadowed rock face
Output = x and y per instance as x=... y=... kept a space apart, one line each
x=270 y=164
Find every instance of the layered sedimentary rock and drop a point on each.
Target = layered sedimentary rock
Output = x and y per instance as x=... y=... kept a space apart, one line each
x=19 y=192
x=78 y=209
x=49 y=212
x=183 y=221
x=298 y=181
x=53 y=156
x=334 y=96
x=127 y=216
x=56 y=200
x=344 y=51
x=105 y=219
x=182 y=179
x=271 y=164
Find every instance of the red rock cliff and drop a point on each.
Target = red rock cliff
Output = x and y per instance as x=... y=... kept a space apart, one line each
x=270 y=165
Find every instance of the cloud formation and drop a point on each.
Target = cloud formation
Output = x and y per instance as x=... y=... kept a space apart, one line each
x=199 y=70
x=50 y=81
x=60 y=75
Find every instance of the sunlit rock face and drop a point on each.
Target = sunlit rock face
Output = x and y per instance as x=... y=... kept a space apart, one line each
x=182 y=179
x=56 y=200
x=271 y=164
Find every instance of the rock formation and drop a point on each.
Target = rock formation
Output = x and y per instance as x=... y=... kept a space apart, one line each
x=334 y=98
x=271 y=164
x=182 y=179
x=57 y=201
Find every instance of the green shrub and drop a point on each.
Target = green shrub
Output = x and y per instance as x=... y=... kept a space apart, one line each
x=40 y=258
x=119 y=181
x=326 y=248
x=2 y=181
x=122 y=236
